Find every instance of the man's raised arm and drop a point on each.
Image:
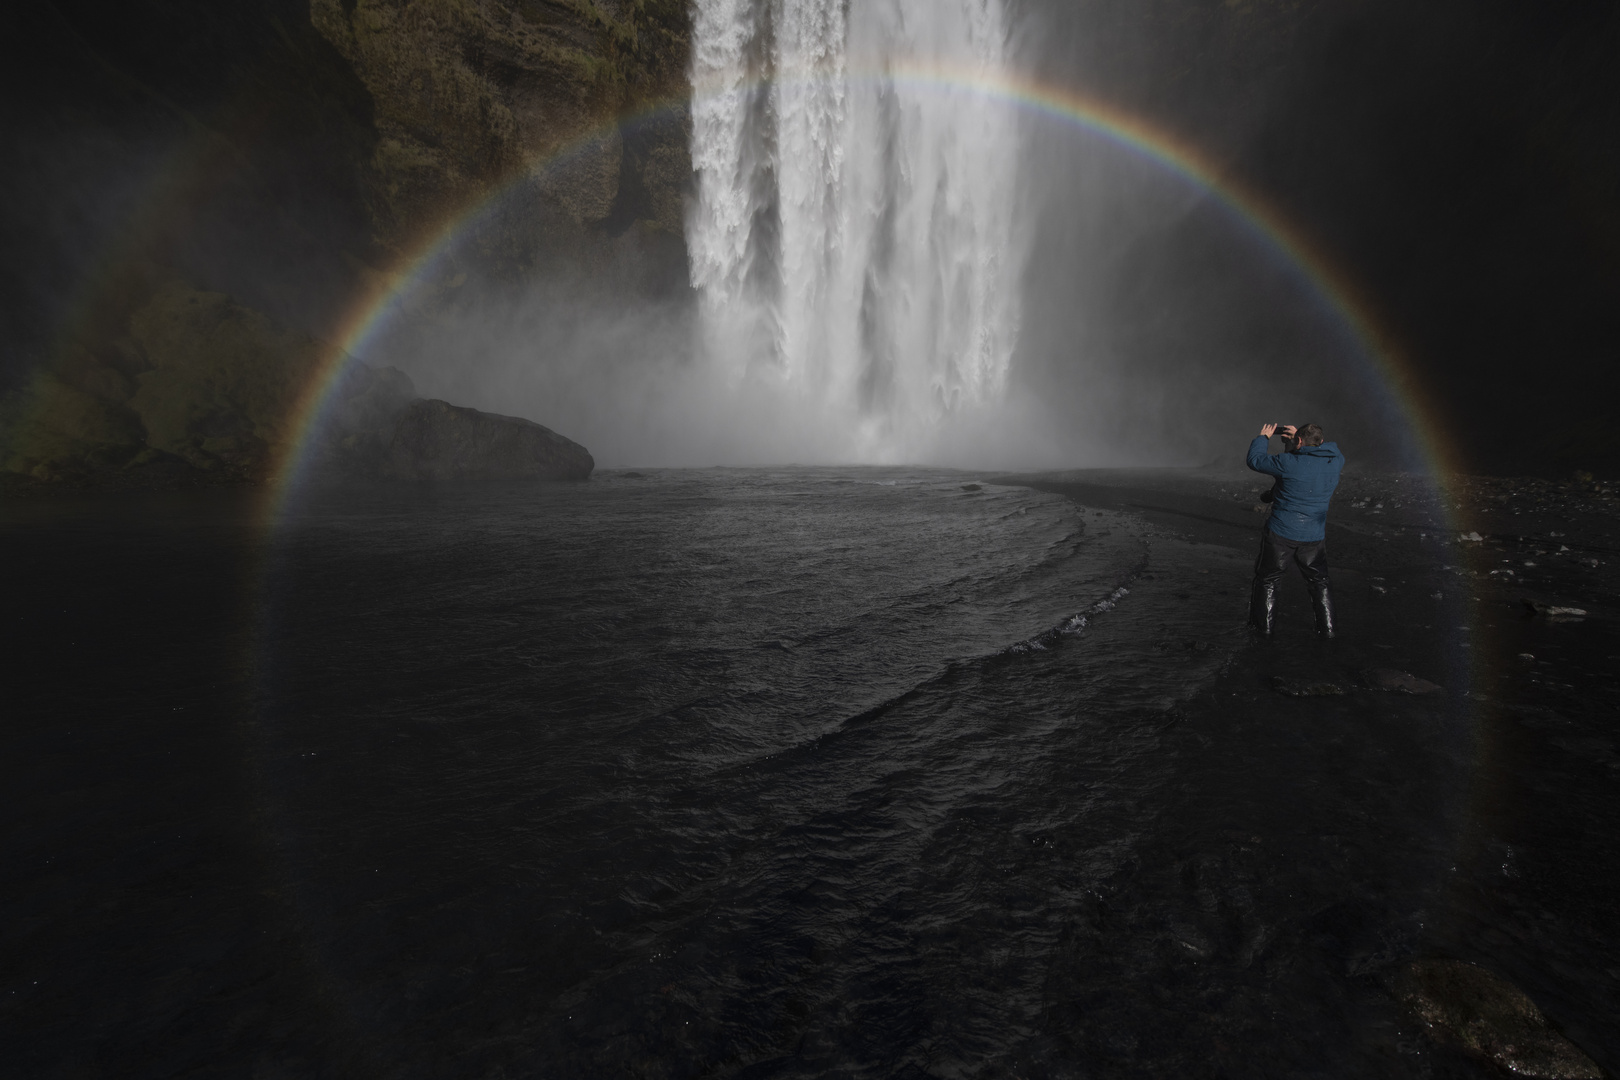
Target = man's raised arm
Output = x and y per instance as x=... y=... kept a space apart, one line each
x=1261 y=461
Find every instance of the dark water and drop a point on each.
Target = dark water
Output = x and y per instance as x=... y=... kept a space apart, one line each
x=733 y=773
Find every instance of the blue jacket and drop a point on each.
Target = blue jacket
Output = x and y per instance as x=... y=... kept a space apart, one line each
x=1306 y=479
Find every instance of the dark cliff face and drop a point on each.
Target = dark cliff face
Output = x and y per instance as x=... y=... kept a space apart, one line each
x=1459 y=159
x=267 y=160
x=276 y=149
x=228 y=143
x=469 y=98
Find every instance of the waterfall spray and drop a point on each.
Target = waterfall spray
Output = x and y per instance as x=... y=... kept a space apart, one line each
x=852 y=237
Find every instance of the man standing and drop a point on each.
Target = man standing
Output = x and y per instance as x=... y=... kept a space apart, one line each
x=1307 y=471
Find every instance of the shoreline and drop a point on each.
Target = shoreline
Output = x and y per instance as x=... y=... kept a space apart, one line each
x=1295 y=746
x=1257 y=848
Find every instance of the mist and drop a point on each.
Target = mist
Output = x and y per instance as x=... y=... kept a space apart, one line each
x=955 y=280
x=1073 y=303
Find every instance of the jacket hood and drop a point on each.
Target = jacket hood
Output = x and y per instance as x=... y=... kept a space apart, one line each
x=1327 y=449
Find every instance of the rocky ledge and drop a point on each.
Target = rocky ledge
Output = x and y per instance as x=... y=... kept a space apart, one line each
x=434 y=440
x=377 y=428
x=200 y=390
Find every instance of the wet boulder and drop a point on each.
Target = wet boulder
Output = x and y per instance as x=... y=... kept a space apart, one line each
x=434 y=440
x=1398 y=681
x=1490 y=1017
x=1299 y=688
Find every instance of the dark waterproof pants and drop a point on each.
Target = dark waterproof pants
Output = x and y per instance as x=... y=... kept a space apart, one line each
x=1272 y=564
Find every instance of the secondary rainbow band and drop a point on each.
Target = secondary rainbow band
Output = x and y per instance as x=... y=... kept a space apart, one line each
x=383 y=299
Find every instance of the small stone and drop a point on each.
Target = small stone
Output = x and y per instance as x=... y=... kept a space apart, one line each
x=1490 y=1017
x=1290 y=688
x=1191 y=941
x=1472 y=536
x=1397 y=681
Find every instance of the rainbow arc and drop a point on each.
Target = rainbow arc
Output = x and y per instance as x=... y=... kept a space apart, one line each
x=379 y=304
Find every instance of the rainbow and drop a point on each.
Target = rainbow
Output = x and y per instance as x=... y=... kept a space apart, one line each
x=383 y=298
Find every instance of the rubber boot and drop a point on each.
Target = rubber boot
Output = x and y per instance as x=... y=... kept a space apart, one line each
x=1263 y=606
x=1322 y=601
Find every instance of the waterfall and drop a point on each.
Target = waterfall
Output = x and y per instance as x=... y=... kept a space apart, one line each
x=852 y=235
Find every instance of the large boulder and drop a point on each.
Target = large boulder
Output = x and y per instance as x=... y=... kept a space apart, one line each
x=55 y=428
x=1490 y=1017
x=434 y=440
x=223 y=381
x=203 y=389
x=185 y=376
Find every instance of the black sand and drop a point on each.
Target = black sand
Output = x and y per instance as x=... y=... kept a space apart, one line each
x=1300 y=780
x=1321 y=832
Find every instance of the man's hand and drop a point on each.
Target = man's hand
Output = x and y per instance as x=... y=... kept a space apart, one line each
x=1268 y=429
x=1288 y=431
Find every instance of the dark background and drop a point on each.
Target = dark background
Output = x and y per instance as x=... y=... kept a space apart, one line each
x=224 y=141
x=1461 y=160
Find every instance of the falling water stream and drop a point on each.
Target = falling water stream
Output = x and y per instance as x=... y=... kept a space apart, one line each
x=853 y=239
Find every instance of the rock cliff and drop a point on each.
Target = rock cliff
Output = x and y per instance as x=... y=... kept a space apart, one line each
x=578 y=103
x=202 y=390
x=204 y=191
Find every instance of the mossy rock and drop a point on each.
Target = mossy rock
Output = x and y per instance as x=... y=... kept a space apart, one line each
x=471 y=98
x=52 y=428
x=224 y=381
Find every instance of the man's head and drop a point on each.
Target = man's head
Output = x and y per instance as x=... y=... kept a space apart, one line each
x=1309 y=435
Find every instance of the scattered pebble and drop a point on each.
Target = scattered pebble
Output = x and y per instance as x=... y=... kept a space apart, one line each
x=1397 y=681
x=1291 y=688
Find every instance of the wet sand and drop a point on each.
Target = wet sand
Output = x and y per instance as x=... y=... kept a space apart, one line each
x=1321 y=816
x=1276 y=851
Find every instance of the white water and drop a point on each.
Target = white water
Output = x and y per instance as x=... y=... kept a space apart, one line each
x=853 y=240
